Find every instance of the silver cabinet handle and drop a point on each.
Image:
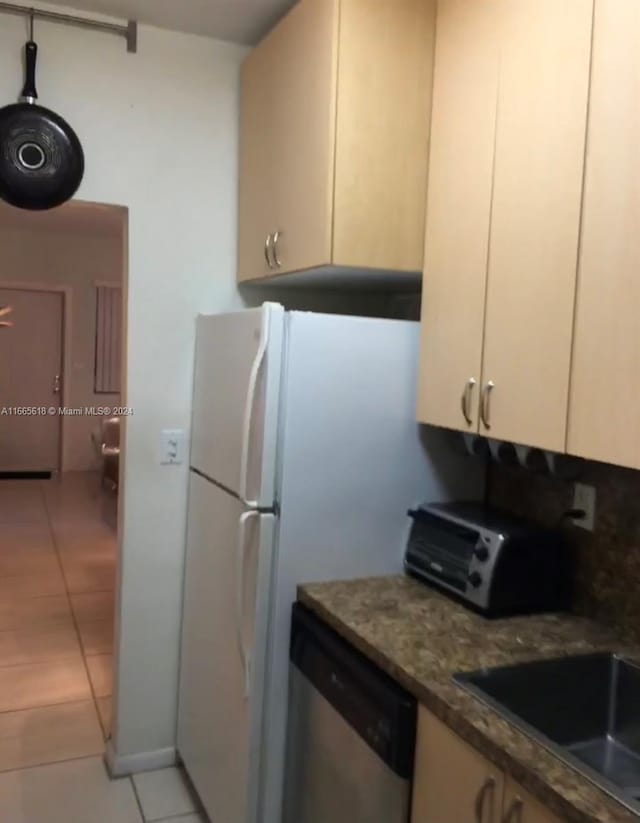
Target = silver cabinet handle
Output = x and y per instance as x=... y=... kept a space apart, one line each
x=276 y=259
x=514 y=812
x=485 y=790
x=56 y=384
x=465 y=400
x=485 y=404
x=267 y=248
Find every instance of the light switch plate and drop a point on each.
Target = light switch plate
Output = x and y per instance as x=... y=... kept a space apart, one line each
x=584 y=497
x=172 y=447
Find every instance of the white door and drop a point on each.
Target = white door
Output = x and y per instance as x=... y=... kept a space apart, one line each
x=224 y=638
x=235 y=404
x=30 y=378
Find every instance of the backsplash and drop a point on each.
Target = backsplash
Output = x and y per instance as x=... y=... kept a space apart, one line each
x=608 y=560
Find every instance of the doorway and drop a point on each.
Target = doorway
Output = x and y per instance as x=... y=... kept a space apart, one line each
x=31 y=382
x=63 y=274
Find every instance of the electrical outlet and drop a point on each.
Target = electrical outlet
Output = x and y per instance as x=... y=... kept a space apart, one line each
x=584 y=497
x=172 y=447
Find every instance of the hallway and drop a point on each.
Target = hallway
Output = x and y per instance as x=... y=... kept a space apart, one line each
x=57 y=580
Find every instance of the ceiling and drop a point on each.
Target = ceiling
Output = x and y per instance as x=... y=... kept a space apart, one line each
x=240 y=21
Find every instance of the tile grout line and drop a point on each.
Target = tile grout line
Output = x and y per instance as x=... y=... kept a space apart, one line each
x=137 y=797
x=47 y=763
x=146 y=819
x=88 y=699
x=47 y=662
x=73 y=615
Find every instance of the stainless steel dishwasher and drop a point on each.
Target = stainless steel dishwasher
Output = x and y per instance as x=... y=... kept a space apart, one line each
x=351 y=733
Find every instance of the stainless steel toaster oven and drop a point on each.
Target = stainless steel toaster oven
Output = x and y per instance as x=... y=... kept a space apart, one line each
x=496 y=563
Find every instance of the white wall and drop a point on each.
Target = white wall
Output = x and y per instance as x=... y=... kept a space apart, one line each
x=159 y=129
x=32 y=254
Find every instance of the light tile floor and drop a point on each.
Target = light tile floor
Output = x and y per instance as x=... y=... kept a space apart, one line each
x=57 y=575
x=79 y=791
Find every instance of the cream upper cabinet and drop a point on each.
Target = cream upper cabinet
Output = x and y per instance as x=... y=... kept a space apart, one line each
x=604 y=404
x=511 y=89
x=452 y=781
x=535 y=223
x=301 y=125
x=256 y=186
x=334 y=135
x=465 y=91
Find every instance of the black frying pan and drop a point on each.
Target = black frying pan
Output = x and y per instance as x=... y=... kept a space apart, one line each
x=41 y=158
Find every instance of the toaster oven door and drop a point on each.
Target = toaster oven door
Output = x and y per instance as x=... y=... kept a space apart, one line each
x=442 y=551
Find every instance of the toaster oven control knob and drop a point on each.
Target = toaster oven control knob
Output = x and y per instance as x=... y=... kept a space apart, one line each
x=475 y=579
x=481 y=553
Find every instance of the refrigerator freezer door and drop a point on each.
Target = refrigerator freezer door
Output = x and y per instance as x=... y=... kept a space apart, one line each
x=224 y=634
x=235 y=403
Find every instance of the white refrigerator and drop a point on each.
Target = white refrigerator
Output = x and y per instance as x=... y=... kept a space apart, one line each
x=305 y=457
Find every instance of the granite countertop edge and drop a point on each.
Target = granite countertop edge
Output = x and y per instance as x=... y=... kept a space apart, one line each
x=518 y=755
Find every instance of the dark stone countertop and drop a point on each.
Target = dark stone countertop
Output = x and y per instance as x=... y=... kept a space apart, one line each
x=421 y=639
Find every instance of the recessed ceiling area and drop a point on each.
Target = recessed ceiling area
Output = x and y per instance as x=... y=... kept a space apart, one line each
x=239 y=21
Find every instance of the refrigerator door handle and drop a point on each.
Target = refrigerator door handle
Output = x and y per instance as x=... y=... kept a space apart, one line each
x=248 y=408
x=245 y=653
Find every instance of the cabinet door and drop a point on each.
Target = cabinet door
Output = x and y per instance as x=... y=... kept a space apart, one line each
x=605 y=383
x=257 y=141
x=382 y=133
x=458 y=210
x=520 y=806
x=452 y=781
x=303 y=121
x=540 y=143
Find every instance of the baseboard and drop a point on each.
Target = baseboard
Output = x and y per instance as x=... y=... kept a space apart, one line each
x=120 y=765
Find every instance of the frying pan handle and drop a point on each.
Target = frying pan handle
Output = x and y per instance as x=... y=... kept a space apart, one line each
x=29 y=92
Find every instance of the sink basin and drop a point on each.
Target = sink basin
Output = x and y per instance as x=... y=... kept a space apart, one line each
x=585 y=709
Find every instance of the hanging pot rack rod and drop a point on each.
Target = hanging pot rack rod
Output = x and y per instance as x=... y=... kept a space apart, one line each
x=129 y=32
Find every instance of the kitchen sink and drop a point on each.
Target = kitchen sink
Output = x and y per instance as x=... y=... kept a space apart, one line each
x=585 y=709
